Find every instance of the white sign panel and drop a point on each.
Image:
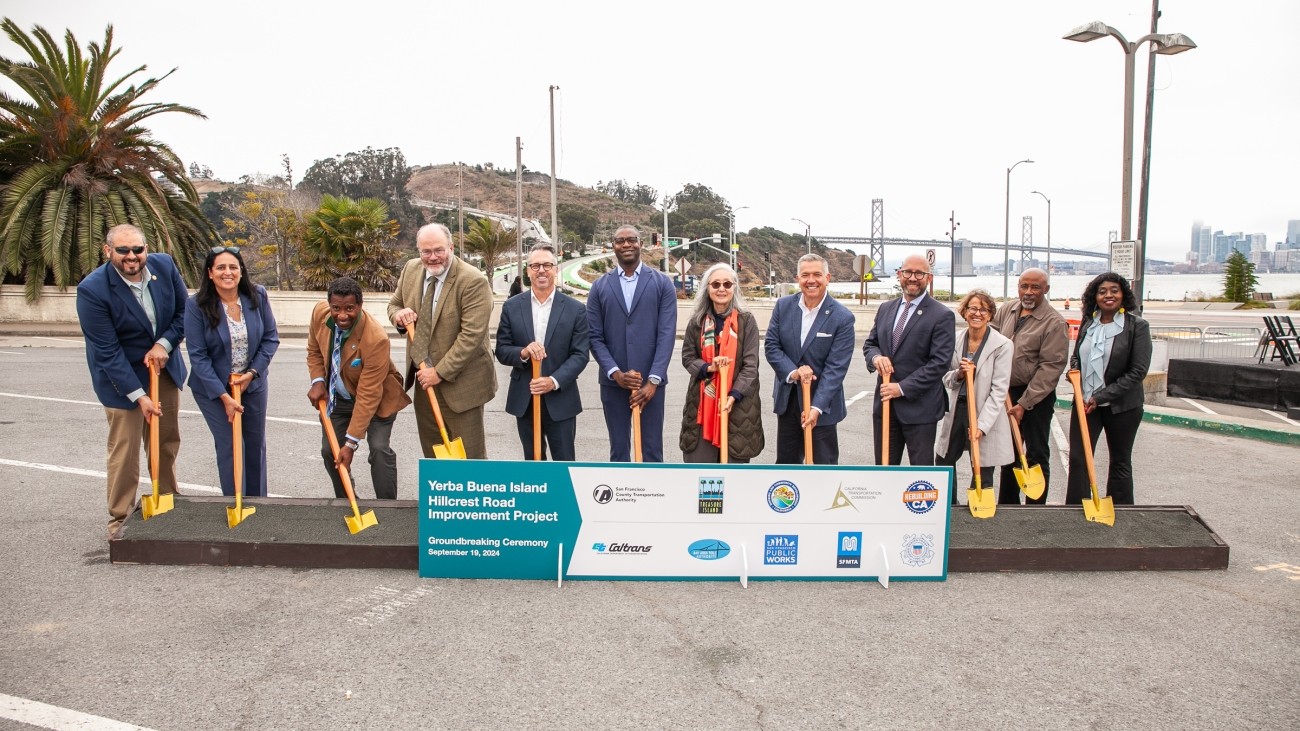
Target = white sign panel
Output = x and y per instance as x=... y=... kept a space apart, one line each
x=1123 y=259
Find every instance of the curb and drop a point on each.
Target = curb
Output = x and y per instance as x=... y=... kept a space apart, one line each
x=1275 y=436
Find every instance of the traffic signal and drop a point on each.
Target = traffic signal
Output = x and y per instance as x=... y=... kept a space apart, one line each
x=767 y=256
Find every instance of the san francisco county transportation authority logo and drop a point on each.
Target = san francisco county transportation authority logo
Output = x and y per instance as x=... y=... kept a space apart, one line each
x=783 y=496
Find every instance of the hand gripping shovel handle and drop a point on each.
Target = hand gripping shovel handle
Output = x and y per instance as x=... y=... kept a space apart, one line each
x=807 y=430
x=884 y=424
x=724 y=416
x=537 y=414
x=433 y=399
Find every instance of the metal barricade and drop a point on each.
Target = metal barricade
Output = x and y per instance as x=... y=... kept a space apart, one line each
x=1213 y=343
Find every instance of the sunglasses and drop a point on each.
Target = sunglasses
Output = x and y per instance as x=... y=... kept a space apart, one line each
x=721 y=284
x=226 y=249
x=124 y=250
x=627 y=239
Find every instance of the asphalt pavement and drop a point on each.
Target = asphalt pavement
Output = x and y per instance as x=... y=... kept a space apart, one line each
x=167 y=647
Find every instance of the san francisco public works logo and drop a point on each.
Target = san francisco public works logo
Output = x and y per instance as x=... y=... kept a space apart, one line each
x=849 y=554
x=918 y=549
x=711 y=495
x=780 y=550
x=783 y=496
x=709 y=549
x=920 y=497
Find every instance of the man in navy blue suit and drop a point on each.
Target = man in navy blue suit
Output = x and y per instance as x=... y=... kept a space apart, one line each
x=632 y=318
x=132 y=312
x=549 y=327
x=809 y=338
x=912 y=341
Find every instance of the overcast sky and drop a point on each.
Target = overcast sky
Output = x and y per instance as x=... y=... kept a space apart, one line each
x=806 y=110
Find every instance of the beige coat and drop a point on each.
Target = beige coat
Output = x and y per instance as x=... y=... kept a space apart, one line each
x=992 y=378
x=455 y=338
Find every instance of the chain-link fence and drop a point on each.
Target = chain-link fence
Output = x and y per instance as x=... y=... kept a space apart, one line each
x=1214 y=343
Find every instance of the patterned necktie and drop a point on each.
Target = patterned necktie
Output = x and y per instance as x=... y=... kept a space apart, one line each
x=336 y=363
x=902 y=322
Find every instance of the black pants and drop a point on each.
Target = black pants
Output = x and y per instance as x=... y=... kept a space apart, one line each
x=918 y=438
x=789 y=436
x=1036 y=428
x=558 y=436
x=383 y=460
x=1121 y=431
x=959 y=443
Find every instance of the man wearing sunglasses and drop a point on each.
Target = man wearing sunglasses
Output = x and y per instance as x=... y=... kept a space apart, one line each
x=132 y=314
x=546 y=326
x=912 y=341
x=632 y=318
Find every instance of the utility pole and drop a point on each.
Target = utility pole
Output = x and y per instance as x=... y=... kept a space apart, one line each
x=952 y=254
x=555 y=221
x=460 y=208
x=519 y=209
x=1143 y=195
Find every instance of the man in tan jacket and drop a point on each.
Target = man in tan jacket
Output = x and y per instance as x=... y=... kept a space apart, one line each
x=351 y=369
x=448 y=302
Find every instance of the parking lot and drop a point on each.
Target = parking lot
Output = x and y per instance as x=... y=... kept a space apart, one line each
x=248 y=648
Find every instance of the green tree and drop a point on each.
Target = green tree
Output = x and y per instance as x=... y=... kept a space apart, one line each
x=75 y=160
x=700 y=212
x=350 y=238
x=490 y=240
x=1239 y=280
x=370 y=173
x=267 y=224
x=578 y=223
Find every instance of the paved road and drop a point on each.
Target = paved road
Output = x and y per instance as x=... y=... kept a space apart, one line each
x=212 y=648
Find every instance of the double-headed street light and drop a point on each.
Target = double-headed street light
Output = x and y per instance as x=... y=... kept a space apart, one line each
x=1006 y=231
x=1049 y=229
x=1167 y=44
x=807 y=232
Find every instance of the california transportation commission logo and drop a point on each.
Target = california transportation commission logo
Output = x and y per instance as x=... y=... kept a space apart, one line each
x=783 y=496
x=709 y=549
x=602 y=494
x=918 y=549
x=920 y=497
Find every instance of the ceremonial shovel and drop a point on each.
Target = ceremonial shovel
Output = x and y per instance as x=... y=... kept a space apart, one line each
x=358 y=521
x=236 y=515
x=1030 y=479
x=884 y=424
x=982 y=503
x=155 y=504
x=450 y=448
x=636 y=433
x=537 y=414
x=723 y=415
x=1098 y=509
x=807 y=430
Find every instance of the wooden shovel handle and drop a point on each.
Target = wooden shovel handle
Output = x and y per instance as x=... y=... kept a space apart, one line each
x=636 y=433
x=537 y=414
x=973 y=418
x=154 y=457
x=237 y=436
x=807 y=430
x=1015 y=428
x=433 y=399
x=723 y=416
x=884 y=424
x=1075 y=383
x=334 y=449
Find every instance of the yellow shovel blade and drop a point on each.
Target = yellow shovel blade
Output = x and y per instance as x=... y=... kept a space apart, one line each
x=982 y=503
x=1030 y=480
x=235 y=516
x=151 y=505
x=455 y=449
x=1101 y=510
x=358 y=523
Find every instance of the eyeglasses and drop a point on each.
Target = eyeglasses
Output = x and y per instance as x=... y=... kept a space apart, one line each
x=426 y=253
x=912 y=274
x=627 y=239
x=721 y=284
x=544 y=266
x=124 y=250
x=976 y=311
x=226 y=249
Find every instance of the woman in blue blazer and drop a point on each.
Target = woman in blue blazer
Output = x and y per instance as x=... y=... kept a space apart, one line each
x=230 y=331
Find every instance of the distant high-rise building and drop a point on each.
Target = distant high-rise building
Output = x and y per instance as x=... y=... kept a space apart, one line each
x=1202 y=243
x=1293 y=233
x=1258 y=242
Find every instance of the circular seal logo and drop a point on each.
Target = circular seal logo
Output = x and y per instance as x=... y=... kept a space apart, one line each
x=783 y=496
x=920 y=497
x=602 y=494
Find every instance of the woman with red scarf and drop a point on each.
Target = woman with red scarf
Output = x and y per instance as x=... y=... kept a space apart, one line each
x=721 y=331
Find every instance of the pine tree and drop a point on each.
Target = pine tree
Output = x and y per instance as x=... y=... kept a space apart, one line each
x=1239 y=278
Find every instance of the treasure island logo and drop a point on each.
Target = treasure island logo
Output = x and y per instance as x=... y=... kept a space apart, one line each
x=783 y=496
x=710 y=496
x=602 y=494
x=780 y=550
x=849 y=555
x=920 y=497
x=918 y=549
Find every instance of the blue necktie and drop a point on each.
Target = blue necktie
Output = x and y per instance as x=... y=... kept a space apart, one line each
x=336 y=363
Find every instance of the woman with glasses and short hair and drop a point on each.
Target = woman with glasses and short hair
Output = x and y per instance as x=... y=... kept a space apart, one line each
x=988 y=353
x=721 y=331
x=231 y=336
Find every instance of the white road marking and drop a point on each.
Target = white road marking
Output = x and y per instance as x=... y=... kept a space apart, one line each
x=1276 y=415
x=1200 y=406
x=59 y=340
x=856 y=396
x=35 y=713
x=10 y=352
x=1062 y=442
x=187 y=412
x=104 y=475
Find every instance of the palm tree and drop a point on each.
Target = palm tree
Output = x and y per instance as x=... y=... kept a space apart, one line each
x=350 y=238
x=75 y=161
x=490 y=240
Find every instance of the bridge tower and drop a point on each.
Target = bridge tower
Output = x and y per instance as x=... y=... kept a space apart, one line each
x=1026 y=241
x=877 y=253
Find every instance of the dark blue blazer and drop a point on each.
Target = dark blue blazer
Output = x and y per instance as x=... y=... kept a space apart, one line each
x=566 y=353
x=117 y=330
x=828 y=350
x=209 y=347
x=640 y=339
x=924 y=355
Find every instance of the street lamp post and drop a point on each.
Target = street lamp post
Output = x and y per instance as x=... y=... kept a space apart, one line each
x=1167 y=44
x=1049 y=229
x=952 y=254
x=807 y=232
x=1006 y=231
x=731 y=244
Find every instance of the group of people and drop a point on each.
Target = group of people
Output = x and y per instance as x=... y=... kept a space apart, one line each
x=135 y=311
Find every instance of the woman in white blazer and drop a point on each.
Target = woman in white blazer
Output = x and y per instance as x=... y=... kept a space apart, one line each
x=989 y=353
